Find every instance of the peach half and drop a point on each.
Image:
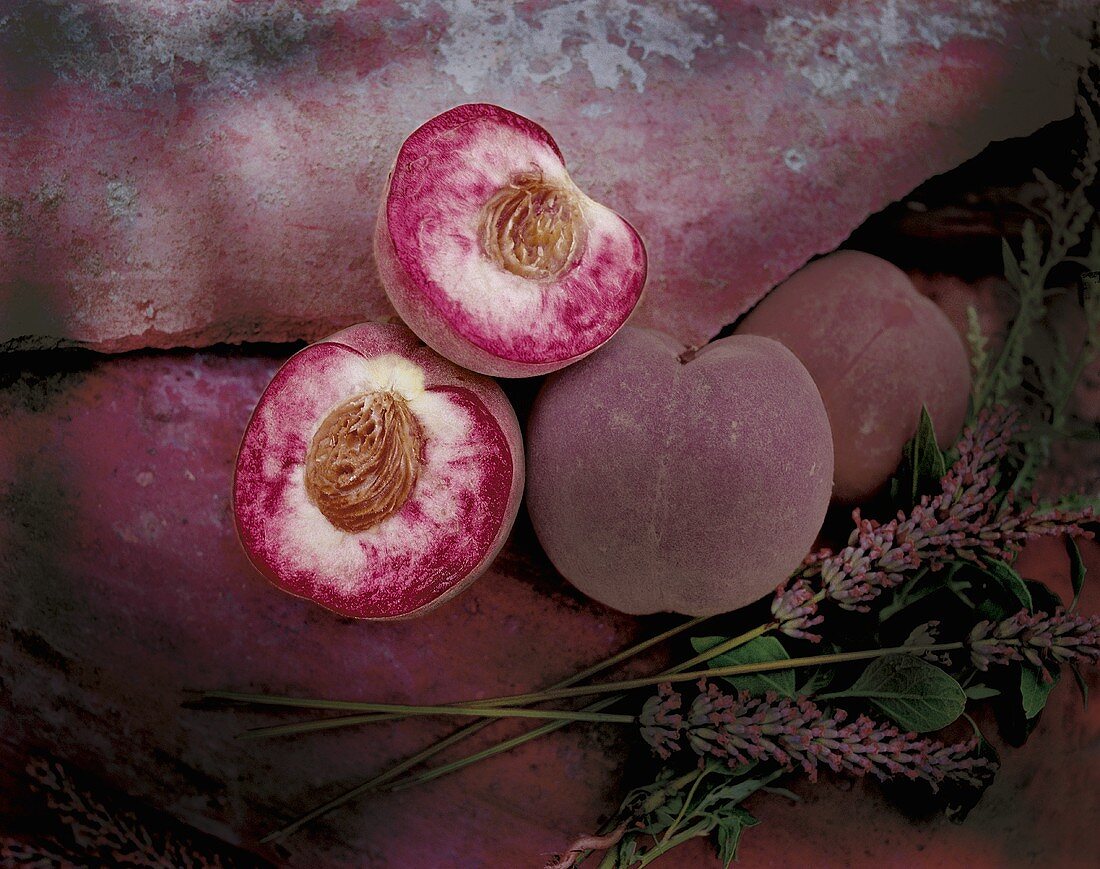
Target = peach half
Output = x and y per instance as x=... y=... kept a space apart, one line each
x=695 y=486
x=877 y=349
x=493 y=256
x=375 y=477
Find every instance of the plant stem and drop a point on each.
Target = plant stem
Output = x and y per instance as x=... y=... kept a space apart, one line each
x=499 y=704
x=486 y=707
x=470 y=729
x=550 y=727
x=683 y=809
x=541 y=696
x=401 y=711
x=609 y=860
x=380 y=780
x=436 y=772
x=315 y=724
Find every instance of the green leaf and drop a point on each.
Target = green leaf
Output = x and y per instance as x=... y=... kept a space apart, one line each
x=1046 y=600
x=754 y=652
x=1076 y=570
x=921 y=585
x=820 y=679
x=724 y=796
x=1034 y=691
x=1082 y=685
x=1032 y=247
x=917 y=695
x=1009 y=579
x=923 y=464
x=981 y=692
x=1011 y=266
x=730 y=829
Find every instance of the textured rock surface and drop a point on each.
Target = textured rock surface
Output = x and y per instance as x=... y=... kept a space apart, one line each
x=123 y=585
x=177 y=173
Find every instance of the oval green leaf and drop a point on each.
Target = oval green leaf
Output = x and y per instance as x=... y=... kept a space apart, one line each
x=1034 y=690
x=753 y=652
x=917 y=695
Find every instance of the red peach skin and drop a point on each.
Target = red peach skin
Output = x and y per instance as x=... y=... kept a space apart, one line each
x=877 y=350
x=656 y=484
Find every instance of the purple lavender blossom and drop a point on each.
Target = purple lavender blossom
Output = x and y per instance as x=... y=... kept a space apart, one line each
x=966 y=520
x=795 y=611
x=797 y=733
x=1039 y=638
x=660 y=722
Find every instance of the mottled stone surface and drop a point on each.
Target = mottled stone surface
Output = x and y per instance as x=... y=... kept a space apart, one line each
x=122 y=585
x=187 y=173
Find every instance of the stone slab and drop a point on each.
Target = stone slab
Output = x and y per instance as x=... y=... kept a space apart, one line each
x=190 y=173
x=122 y=586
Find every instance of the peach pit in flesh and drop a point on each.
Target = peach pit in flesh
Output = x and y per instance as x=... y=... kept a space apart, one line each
x=492 y=254
x=375 y=477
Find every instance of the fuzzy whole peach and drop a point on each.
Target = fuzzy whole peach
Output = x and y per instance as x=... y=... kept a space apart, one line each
x=493 y=256
x=375 y=477
x=877 y=350
x=693 y=486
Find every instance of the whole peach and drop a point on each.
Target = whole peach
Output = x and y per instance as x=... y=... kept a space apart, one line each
x=661 y=482
x=877 y=350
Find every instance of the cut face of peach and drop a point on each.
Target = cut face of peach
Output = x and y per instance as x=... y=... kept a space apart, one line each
x=375 y=477
x=493 y=256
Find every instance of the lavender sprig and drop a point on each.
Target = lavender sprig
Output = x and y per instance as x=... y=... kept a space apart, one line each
x=795 y=610
x=77 y=827
x=1040 y=639
x=740 y=729
x=966 y=520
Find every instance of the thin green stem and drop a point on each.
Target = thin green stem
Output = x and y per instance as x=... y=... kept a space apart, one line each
x=609 y=860
x=541 y=696
x=469 y=730
x=477 y=711
x=315 y=724
x=729 y=645
x=664 y=846
x=732 y=670
x=669 y=675
x=491 y=707
x=384 y=780
x=501 y=747
x=683 y=809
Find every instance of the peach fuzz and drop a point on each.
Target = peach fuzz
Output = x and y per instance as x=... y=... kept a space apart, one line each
x=375 y=477
x=693 y=486
x=493 y=256
x=877 y=350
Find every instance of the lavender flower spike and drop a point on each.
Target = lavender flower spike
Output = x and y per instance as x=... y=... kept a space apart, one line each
x=967 y=519
x=797 y=733
x=661 y=724
x=795 y=611
x=1039 y=638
